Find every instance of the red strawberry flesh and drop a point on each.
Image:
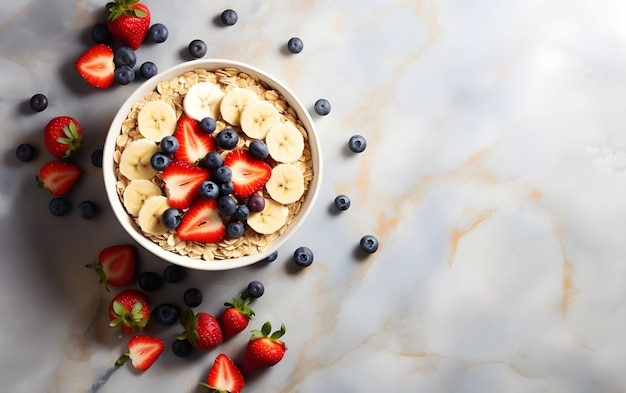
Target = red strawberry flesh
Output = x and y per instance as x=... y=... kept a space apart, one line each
x=143 y=351
x=182 y=181
x=115 y=265
x=58 y=177
x=96 y=66
x=202 y=223
x=249 y=174
x=193 y=142
x=224 y=376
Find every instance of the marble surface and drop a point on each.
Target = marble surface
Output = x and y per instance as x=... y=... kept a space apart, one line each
x=494 y=178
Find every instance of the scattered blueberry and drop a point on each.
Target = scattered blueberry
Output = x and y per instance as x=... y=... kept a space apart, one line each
x=159 y=161
x=148 y=70
x=227 y=188
x=173 y=273
x=303 y=256
x=226 y=205
x=295 y=45
x=227 y=138
x=38 y=102
x=124 y=75
x=369 y=244
x=357 y=143
x=158 y=33
x=169 y=144
x=242 y=212
x=87 y=210
x=25 y=152
x=150 y=281
x=181 y=348
x=100 y=34
x=229 y=17
x=271 y=258
x=342 y=202
x=322 y=107
x=256 y=203
x=258 y=149
x=124 y=55
x=208 y=125
x=192 y=297
x=171 y=218
x=59 y=206
x=222 y=174
x=96 y=158
x=209 y=190
x=256 y=289
x=213 y=160
x=234 y=229
x=197 y=48
x=165 y=314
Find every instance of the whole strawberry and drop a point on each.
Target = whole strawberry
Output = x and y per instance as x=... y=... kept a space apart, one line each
x=236 y=316
x=129 y=309
x=128 y=21
x=62 y=136
x=264 y=349
x=201 y=329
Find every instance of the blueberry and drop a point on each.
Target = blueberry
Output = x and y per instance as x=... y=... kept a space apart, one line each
x=148 y=70
x=322 y=107
x=209 y=190
x=208 y=125
x=158 y=33
x=150 y=281
x=124 y=75
x=124 y=56
x=357 y=143
x=96 y=158
x=226 y=205
x=258 y=149
x=100 y=34
x=159 y=161
x=234 y=229
x=227 y=138
x=222 y=174
x=256 y=203
x=173 y=273
x=227 y=188
x=25 y=152
x=242 y=212
x=169 y=144
x=59 y=206
x=181 y=348
x=87 y=210
x=197 y=48
x=213 y=160
x=256 y=289
x=229 y=17
x=171 y=218
x=369 y=244
x=192 y=297
x=271 y=258
x=342 y=202
x=38 y=102
x=303 y=256
x=165 y=314
x=295 y=45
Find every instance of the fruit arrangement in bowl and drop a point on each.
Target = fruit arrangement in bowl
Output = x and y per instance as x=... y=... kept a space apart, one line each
x=212 y=164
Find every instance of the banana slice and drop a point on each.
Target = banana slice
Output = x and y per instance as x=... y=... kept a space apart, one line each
x=203 y=100
x=136 y=192
x=284 y=142
x=149 y=218
x=233 y=103
x=156 y=120
x=257 y=119
x=270 y=219
x=286 y=185
x=135 y=159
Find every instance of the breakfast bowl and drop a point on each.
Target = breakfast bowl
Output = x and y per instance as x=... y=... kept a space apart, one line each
x=212 y=164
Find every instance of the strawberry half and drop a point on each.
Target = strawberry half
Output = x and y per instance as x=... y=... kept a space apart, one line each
x=201 y=329
x=202 y=223
x=194 y=143
x=143 y=351
x=249 y=174
x=236 y=316
x=128 y=21
x=182 y=180
x=58 y=177
x=264 y=349
x=62 y=136
x=115 y=265
x=224 y=376
x=130 y=310
x=96 y=66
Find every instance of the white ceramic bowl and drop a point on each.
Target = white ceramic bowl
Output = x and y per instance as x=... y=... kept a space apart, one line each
x=127 y=222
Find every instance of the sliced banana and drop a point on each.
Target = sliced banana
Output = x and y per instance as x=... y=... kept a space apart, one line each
x=156 y=120
x=203 y=100
x=286 y=185
x=284 y=142
x=233 y=103
x=257 y=119
x=136 y=192
x=135 y=159
x=270 y=219
x=149 y=218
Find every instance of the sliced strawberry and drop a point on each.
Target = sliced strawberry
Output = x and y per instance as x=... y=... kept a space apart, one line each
x=182 y=180
x=224 y=376
x=115 y=265
x=194 y=143
x=249 y=174
x=202 y=223
x=58 y=177
x=96 y=66
x=143 y=351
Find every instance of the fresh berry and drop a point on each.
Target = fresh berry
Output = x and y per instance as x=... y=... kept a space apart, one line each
x=222 y=174
x=258 y=149
x=226 y=205
x=148 y=69
x=192 y=297
x=169 y=144
x=265 y=349
x=181 y=348
x=124 y=55
x=128 y=21
x=303 y=256
x=159 y=161
x=197 y=48
x=322 y=107
x=255 y=289
x=224 y=376
x=182 y=180
x=87 y=210
x=100 y=34
x=342 y=202
x=38 y=102
x=227 y=138
x=202 y=330
x=96 y=66
x=235 y=229
x=256 y=203
x=194 y=144
x=208 y=125
x=213 y=160
x=124 y=75
x=58 y=177
x=25 y=152
x=202 y=223
x=144 y=350
x=227 y=188
x=171 y=218
x=173 y=273
x=96 y=158
x=229 y=18
x=150 y=281
x=357 y=143
x=209 y=190
x=165 y=314
x=242 y=212
x=130 y=311
x=115 y=265
x=249 y=174
x=62 y=136
x=235 y=317
x=295 y=45
x=59 y=206
x=369 y=244
x=158 y=33
x=271 y=258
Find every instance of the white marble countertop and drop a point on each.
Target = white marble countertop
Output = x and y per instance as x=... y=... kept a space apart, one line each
x=494 y=178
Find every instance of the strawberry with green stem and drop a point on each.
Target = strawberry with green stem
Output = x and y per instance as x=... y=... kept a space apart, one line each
x=265 y=349
x=236 y=316
x=62 y=136
x=115 y=265
x=128 y=21
x=143 y=351
x=202 y=330
x=129 y=310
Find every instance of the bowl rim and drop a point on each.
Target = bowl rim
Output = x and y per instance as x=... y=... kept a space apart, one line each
x=110 y=180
